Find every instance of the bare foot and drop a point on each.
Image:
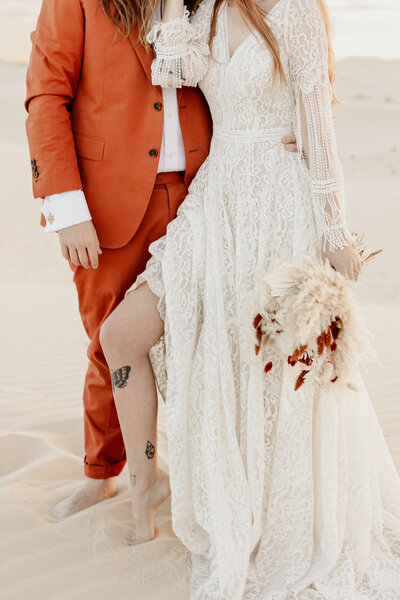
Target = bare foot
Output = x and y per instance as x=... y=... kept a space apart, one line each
x=145 y=501
x=92 y=491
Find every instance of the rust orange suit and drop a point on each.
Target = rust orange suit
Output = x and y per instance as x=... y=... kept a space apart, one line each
x=95 y=123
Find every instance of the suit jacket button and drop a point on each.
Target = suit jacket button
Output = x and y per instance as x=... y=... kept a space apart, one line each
x=158 y=106
x=153 y=153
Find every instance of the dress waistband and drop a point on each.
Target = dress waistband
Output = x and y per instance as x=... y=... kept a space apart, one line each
x=253 y=135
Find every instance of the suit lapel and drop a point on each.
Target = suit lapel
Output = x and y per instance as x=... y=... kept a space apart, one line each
x=146 y=58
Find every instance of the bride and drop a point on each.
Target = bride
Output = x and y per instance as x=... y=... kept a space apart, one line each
x=278 y=494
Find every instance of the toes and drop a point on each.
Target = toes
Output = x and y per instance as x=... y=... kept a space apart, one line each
x=134 y=537
x=131 y=538
x=59 y=511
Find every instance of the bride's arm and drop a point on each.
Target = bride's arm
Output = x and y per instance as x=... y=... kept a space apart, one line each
x=173 y=9
x=181 y=45
x=308 y=63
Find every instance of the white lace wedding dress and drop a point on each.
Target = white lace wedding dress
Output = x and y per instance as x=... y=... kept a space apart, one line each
x=278 y=495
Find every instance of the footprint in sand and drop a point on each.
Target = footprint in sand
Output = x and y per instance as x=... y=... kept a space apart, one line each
x=360 y=97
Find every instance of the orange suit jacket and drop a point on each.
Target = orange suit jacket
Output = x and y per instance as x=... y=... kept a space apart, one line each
x=95 y=120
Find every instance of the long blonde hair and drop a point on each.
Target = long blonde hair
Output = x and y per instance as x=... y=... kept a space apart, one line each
x=255 y=16
x=127 y=14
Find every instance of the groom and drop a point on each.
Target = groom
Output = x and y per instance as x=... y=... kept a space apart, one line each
x=112 y=157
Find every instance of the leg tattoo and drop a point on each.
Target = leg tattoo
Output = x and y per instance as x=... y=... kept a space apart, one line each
x=119 y=378
x=133 y=480
x=150 y=450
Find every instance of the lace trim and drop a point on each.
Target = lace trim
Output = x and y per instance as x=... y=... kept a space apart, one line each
x=336 y=237
x=181 y=51
x=178 y=27
x=266 y=135
x=328 y=186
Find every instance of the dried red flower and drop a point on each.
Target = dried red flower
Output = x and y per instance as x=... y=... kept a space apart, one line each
x=306 y=359
x=297 y=353
x=300 y=380
x=321 y=344
x=257 y=325
x=336 y=327
x=327 y=337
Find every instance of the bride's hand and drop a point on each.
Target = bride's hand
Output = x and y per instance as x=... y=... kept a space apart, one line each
x=346 y=261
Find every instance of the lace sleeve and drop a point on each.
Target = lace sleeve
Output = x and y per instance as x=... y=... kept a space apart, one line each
x=308 y=66
x=181 y=47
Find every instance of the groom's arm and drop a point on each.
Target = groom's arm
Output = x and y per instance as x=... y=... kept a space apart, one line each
x=52 y=80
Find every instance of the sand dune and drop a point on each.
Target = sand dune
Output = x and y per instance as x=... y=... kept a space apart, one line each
x=42 y=362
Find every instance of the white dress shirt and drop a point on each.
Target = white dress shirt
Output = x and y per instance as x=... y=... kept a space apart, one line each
x=70 y=208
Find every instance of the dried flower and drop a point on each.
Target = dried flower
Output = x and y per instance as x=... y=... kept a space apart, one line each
x=300 y=380
x=360 y=246
x=302 y=297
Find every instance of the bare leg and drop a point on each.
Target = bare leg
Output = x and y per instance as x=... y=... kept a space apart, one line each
x=126 y=338
x=92 y=491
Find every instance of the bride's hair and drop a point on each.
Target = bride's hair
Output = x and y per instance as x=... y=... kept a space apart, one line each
x=127 y=14
x=255 y=16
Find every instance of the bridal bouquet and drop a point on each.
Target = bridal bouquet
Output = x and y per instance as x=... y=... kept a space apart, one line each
x=305 y=312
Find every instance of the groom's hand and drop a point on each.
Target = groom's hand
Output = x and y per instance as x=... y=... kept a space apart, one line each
x=80 y=245
x=290 y=143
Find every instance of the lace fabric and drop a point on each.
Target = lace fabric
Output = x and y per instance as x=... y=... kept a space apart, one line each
x=181 y=49
x=278 y=495
x=308 y=68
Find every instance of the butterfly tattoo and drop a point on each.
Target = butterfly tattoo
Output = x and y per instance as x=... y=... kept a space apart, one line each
x=119 y=378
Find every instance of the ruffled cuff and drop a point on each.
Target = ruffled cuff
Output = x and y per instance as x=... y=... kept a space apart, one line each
x=174 y=33
x=181 y=53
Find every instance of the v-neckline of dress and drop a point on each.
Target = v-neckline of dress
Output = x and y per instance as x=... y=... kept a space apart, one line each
x=228 y=56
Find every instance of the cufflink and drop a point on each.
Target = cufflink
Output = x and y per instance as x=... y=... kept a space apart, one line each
x=50 y=218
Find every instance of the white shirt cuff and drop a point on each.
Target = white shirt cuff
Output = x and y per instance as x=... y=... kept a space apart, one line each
x=64 y=210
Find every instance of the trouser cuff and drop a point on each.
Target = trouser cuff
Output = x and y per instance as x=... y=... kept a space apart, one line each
x=103 y=471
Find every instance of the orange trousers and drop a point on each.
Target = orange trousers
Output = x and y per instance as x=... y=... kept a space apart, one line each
x=99 y=292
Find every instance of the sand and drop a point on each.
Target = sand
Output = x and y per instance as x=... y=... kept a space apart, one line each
x=42 y=360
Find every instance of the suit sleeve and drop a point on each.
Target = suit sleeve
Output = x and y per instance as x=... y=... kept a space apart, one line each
x=52 y=79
